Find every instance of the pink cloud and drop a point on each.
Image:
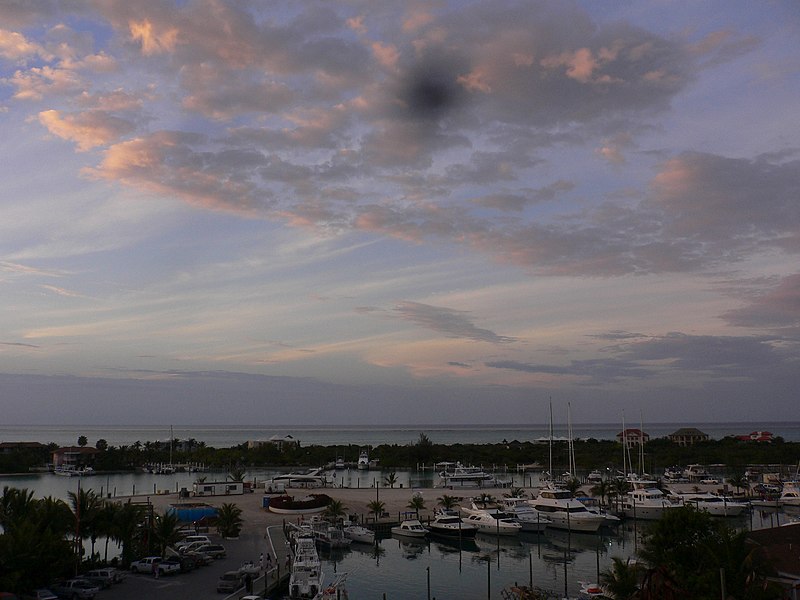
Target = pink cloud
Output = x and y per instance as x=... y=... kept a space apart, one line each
x=87 y=129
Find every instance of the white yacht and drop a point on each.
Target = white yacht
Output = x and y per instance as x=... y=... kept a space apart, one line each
x=565 y=512
x=462 y=476
x=530 y=518
x=363 y=461
x=492 y=521
x=646 y=502
x=359 y=534
x=305 y=581
x=448 y=523
x=410 y=528
x=313 y=478
x=715 y=505
x=790 y=495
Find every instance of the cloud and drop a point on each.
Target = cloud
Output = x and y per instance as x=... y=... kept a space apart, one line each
x=87 y=129
x=452 y=323
x=16 y=48
x=778 y=307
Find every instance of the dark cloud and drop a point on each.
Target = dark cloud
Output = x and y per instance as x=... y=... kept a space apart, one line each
x=453 y=323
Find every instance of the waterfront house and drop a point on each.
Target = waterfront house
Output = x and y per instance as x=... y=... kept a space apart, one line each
x=74 y=456
x=687 y=436
x=757 y=436
x=633 y=437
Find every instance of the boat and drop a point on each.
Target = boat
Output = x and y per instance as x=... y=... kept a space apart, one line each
x=359 y=534
x=591 y=590
x=337 y=589
x=646 y=502
x=363 y=460
x=467 y=476
x=305 y=580
x=328 y=535
x=696 y=473
x=565 y=511
x=448 y=523
x=339 y=464
x=73 y=471
x=312 y=478
x=410 y=528
x=492 y=521
x=530 y=519
x=593 y=505
x=287 y=505
x=717 y=506
x=790 y=494
x=594 y=477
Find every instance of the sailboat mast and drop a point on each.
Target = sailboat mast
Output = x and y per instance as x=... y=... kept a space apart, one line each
x=551 y=442
x=624 y=448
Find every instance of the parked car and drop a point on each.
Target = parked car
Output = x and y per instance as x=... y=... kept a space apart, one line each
x=230 y=581
x=75 y=589
x=150 y=564
x=115 y=575
x=183 y=547
x=193 y=538
x=40 y=594
x=102 y=580
x=183 y=563
x=213 y=550
x=201 y=559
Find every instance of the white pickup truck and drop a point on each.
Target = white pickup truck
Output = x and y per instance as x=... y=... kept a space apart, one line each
x=150 y=564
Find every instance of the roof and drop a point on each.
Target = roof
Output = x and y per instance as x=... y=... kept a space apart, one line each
x=21 y=445
x=781 y=545
x=77 y=450
x=631 y=431
x=691 y=431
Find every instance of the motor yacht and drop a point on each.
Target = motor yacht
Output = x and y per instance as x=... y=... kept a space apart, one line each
x=448 y=523
x=467 y=476
x=646 y=502
x=410 y=528
x=531 y=519
x=565 y=512
x=363 y=460
x=492 y=521
x=715 y=505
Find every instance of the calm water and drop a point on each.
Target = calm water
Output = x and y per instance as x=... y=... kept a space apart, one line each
x=223 y=437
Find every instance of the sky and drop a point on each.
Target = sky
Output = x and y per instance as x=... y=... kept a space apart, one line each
x=379 y=212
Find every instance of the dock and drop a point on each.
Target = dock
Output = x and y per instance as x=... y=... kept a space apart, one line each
x=276 y=577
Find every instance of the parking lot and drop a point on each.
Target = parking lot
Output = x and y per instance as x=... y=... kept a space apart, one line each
x=197 y=584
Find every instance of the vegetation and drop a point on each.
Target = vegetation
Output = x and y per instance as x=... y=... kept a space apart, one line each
x=335 y=509
x=417 y=503
x=390 y=479
x=166 y=531
x=376 y=507
x=229 y=520
x=447 y=502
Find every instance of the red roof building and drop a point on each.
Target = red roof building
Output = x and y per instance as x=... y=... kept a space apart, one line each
x=633 y=437
x=74 y=456
x=757 y=436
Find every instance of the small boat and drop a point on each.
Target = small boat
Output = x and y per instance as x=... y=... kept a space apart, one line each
x=339 y=464
x=591 y=590
x=411 y=528
x=448 y=523
x=287 y=505
x=359 y=534
x=790 y=495
x=492 y=521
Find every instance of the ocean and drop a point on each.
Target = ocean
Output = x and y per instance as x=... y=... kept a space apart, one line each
x=228 y=436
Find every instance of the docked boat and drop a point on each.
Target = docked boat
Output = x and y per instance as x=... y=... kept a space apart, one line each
x=305 y=580
x=359 y=534
x=313 y=478
x=448 y=523
x=410 y=528
x=531 y=519
x=594 y=477
x=646 y=502
x=790 y=494
x=717 y=506
x=73 y=471
x=565 y=511
x=288 y=505
x=593 y=505
x=363 y=461
x=492 y=521
x=467 y=476
x=328 y=535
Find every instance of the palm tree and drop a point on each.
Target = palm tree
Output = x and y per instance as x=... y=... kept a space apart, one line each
x=85 y=506
x=376 y=507
x=447 y=502
x=417 y=503
x=335 y=509
x=390 y=479
x=573 y=485
x=739 y=481
x=125 y=524
x=485 y=499
x=15 y=506
x=167 y=530
x=237 y=473
x=601 y=489
x=516 y=492
x=229 y=520
x=621 y=579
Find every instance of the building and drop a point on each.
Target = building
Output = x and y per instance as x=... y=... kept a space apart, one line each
x=757 y=436
x=633 y=437
x=687 y=436
x=74 y=456
x=218 y=488
x=779 y=546
x=281 y=442
x=12 y=447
